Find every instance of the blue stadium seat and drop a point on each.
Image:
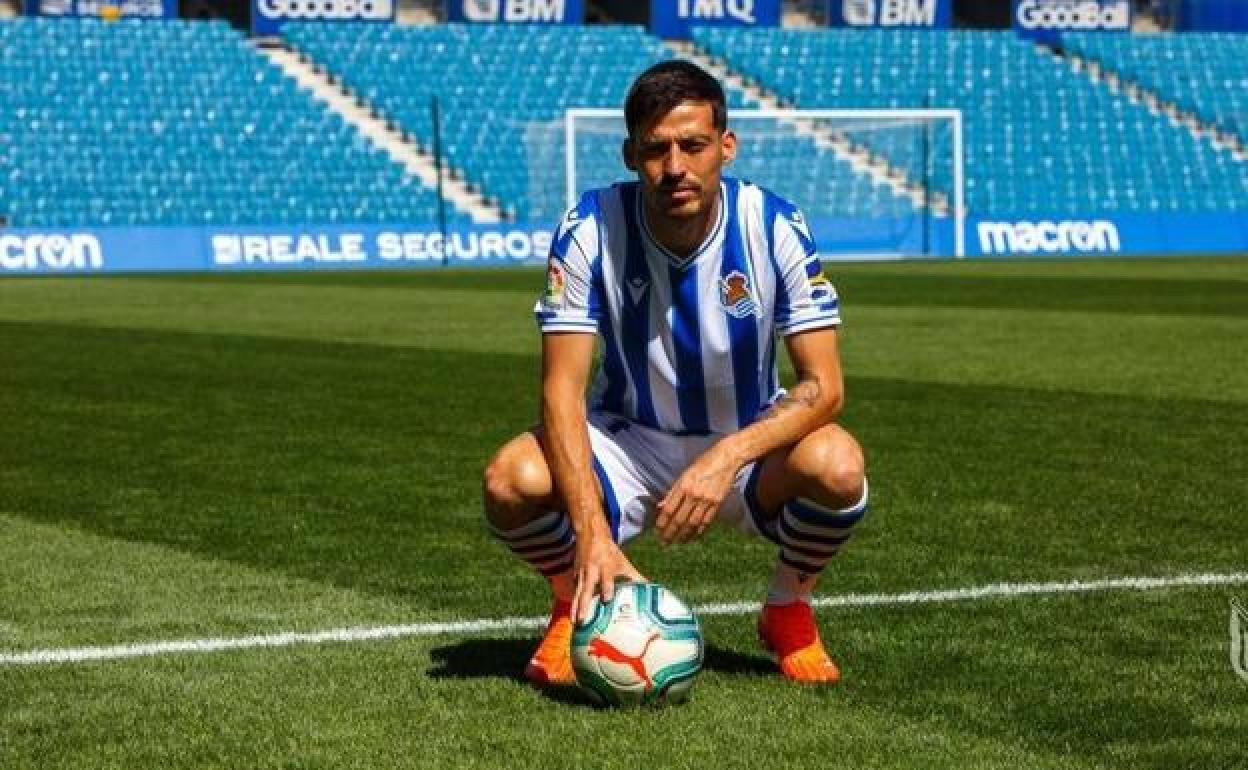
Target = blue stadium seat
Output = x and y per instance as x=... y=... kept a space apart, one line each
x=495 y=85
x=503 y=91
x=1039 y=136
x=176 y=123
x=1203 y=73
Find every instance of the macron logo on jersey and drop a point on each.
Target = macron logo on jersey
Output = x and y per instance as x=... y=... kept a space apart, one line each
x=803 y=229
x=637 y=289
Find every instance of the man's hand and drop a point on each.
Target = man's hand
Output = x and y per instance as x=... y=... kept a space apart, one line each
x=599 y=561
x=690 y=505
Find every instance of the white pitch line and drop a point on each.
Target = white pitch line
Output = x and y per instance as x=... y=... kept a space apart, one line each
x=467 y=627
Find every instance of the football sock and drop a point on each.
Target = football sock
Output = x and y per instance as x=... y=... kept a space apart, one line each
x=548 y=544
x=810 y=535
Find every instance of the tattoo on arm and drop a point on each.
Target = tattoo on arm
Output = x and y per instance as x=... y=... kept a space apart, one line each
x=806 y=393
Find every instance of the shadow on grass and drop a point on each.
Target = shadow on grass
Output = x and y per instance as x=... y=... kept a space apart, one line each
x=482 y=658
x=506 y=658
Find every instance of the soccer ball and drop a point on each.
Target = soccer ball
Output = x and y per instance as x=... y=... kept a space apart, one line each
x=642 y=647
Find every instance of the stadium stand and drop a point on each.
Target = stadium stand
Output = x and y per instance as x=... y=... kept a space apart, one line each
x=1204 y=73
x=134 y=123
x=503 y=91
x=1040 y=137
x=496 y=86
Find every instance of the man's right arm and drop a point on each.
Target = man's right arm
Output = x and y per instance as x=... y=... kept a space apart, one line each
x=566 y=362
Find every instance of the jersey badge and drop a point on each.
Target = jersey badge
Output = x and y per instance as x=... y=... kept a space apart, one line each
x=553 y=295
x=736 y=296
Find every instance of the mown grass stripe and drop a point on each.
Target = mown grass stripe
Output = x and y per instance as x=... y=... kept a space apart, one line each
x=508 y=624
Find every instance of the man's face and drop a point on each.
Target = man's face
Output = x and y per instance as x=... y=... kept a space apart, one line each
x=678 y=159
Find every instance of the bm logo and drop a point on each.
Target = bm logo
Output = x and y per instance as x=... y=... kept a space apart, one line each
x=889 y=13
x=515 y=11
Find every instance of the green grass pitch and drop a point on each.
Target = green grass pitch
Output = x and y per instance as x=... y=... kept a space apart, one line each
x=221 y=456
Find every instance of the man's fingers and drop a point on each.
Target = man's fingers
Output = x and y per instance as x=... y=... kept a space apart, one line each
x=666 y=509
x=586 y=585
x=686 y=523
x=679 y=512
x=684 y=532
x=701 y=516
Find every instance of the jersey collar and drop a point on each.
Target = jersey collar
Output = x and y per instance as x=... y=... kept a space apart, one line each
x=683 y=262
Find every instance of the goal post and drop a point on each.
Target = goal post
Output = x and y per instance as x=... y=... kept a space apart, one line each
x=891 y=181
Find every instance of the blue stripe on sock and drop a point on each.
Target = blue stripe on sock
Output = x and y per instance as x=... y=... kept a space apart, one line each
x=566 y=541
x=816 y=555
x=800 y=566
x=790 y=535
x=808 y=513
x=509 y=537
x=558 y=568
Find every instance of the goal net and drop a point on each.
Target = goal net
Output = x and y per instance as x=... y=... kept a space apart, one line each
x=873 y=183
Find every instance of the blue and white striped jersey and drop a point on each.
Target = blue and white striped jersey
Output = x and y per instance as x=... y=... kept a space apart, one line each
x=689 y=345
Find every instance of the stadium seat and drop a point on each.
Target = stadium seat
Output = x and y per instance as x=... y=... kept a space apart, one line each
x=177 y=122
x=1039 y=136
x=503 y=90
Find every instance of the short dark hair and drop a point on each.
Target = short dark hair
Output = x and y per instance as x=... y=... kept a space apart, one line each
x=667 y=84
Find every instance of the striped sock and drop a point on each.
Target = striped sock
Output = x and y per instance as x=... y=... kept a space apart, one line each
x=547 y=543
x=809 y=535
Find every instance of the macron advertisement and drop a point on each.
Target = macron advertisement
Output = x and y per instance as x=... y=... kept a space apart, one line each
x=36 y=251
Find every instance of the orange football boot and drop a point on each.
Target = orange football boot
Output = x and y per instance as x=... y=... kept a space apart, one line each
x=551 y=664
x=789 y=631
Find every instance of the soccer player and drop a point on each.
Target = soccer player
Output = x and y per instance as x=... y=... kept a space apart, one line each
x=688 y=277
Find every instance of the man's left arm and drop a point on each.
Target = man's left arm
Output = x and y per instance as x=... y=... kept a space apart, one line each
x=693 y=500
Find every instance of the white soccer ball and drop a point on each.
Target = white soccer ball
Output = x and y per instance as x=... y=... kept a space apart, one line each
x=642 y=647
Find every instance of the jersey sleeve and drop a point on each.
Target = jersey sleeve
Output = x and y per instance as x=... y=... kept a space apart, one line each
x=805 y=300
x=570 y=301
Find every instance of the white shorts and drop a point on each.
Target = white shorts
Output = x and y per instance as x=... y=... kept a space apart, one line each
x=636 y=466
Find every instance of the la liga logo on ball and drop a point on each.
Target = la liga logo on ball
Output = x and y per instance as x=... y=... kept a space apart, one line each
x=643 y=647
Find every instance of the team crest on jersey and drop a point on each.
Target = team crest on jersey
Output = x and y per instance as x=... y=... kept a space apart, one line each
x=736 y=296
x=553 y=295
